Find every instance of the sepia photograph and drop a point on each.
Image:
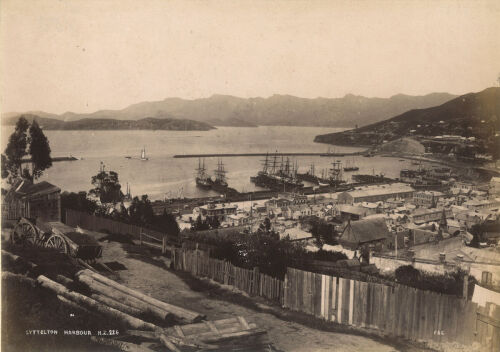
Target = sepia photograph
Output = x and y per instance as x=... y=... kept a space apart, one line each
x=251 y=175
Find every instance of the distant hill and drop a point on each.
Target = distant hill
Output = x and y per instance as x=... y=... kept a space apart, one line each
x=473 y=114
x=148 y=123
x=280 y=110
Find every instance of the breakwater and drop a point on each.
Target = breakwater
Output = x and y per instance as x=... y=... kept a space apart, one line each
x=229 y=155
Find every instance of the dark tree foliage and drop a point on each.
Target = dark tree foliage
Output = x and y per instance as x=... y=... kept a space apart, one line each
x=449 y=283
x=166 y=223
x=322 y=231
x=141 y=211
x=5 y=171
x=270 y=254
x=107 y=187
x=39 y=149
x=200 y=225
x=17 y=148
x=77 y=201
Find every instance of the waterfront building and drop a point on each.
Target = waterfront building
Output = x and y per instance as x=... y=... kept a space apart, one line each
x=376 y=193
x=221 y=211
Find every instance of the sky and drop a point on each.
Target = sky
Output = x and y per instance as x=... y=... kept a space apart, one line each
x=87 y=55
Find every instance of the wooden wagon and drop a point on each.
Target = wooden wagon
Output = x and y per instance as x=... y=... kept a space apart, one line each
x=62 y=238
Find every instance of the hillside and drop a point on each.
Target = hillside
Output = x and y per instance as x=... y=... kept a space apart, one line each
x=473 y=114
x=148 y=123
x=281 y=110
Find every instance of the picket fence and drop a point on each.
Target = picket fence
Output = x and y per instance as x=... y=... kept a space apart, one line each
x=396 y=310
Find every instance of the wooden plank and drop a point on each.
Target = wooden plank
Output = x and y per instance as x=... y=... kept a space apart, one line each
x=339 y=300
x=317 y=295
x=333 y=304
x=351 y=301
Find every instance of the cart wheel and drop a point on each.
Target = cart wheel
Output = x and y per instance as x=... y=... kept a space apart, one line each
x=58 y=243
x=25 y=232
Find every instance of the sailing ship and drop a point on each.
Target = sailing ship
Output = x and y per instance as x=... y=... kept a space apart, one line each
x=142 y=157
x=220 y=176
x=351 y=167
x=143 y=154
x=202 y=179
x=277 y=175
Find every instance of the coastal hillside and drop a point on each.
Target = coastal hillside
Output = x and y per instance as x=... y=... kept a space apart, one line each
x=470 y=115
x=148 y=123
x=278 y=110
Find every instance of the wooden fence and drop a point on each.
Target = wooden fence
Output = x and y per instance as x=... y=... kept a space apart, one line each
x=95 y=223
x=397 y=311
x=199 y=264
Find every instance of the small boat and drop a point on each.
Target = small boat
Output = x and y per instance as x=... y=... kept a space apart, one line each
x=143 y=154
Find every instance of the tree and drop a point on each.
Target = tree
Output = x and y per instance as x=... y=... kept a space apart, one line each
x=36 y=145
x=16 y=148
x=106 y=186
x=39 y=149
x=141 y=211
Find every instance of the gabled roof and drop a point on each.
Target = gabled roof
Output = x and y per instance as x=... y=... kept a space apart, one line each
x=27 y=189
x=365 y=230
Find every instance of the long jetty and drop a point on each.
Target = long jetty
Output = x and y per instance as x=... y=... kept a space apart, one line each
x=229 y=155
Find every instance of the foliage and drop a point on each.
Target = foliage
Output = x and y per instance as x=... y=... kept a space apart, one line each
x=449 y=283
x=269 y=253
x=16 y=148
x=77 y=201
x=207 y=224
x=39 y=149
x=166 y=223
x=36 y=145
x=141 y=211
x=106 y=187
x=322 y=231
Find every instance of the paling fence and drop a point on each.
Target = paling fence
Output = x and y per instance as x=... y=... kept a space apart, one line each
x=95 y=223
x=392 y=310
x=199 y=264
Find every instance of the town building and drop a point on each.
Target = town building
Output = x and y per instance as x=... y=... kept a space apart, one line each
x=40 y=201
x=220 y=210
x=371 y=233
x=427 y=198
x=423 y=215
x=376 y=193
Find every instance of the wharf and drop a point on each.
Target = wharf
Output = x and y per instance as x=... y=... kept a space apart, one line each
x=55 y=159
x=228 y=155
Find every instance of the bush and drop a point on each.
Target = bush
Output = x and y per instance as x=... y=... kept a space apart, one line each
x=449 y=283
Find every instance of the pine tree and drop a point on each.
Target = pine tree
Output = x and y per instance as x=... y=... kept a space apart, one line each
x=16 y=148
x=39 y=149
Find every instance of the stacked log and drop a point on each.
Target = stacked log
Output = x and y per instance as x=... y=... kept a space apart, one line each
x=179 y=312
x=92 y=304
x=131 y=301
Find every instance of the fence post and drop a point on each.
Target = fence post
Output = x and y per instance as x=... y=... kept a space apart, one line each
x=164 y=245
x=284 y=300
x=466 y=286
x=140 y=236
x=256 y=277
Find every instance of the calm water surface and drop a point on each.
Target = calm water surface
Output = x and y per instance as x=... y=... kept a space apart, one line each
x=163 y=176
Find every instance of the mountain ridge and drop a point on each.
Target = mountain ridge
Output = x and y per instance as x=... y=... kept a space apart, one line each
x=472 y=114
x=278 y=109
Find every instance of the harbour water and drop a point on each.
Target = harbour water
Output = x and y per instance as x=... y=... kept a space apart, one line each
x=164 y=176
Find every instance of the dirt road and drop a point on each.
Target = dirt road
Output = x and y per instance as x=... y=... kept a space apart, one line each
x=177 y=288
